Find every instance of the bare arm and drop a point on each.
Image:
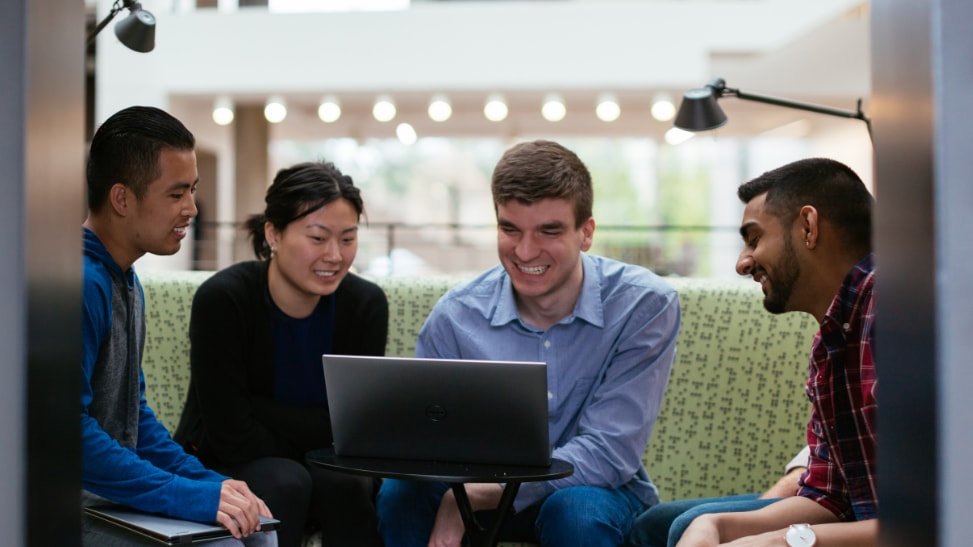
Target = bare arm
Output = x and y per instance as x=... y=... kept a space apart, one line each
x=717 y=529
x=863 y=533
x=448 y=529
x=786 y=486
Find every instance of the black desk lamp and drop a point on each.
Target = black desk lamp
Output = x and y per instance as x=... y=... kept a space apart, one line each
x=699 y=110
x=137 y=31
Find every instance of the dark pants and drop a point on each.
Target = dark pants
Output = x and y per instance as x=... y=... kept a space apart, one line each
x=662 y=525
x=342 y=506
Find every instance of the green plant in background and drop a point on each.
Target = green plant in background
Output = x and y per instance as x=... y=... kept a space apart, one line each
x=684 y=200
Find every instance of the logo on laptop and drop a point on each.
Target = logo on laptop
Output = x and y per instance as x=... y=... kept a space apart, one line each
x=436 y=413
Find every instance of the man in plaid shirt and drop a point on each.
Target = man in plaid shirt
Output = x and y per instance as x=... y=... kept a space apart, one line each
x=807 y=234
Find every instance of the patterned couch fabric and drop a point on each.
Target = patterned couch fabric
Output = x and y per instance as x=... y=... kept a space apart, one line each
x=165 y=362
x=734 y=412
x=733 y=415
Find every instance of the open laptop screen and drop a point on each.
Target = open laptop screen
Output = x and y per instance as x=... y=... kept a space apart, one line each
x=453 y=410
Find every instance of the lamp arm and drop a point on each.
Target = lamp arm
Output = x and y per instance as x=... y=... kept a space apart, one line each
x=856 y=114
x=820 y=109
x=116 y=7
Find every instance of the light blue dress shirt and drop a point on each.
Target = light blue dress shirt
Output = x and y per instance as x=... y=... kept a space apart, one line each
x=608 y=364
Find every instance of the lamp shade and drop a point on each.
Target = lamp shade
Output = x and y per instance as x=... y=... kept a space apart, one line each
x=137 y=31
x=699 y=111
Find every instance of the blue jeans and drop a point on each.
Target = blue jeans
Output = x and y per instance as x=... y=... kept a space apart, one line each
x=585 y=516
x=663 y=524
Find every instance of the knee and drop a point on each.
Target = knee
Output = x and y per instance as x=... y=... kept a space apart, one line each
x=582 y=515
x=284 y=482
x=400 y=499
x=399 y=495
x=406 y=510
x=678 y=527
x=564 y=511
x=392 y=493
x=646 y=533
x=651 y=528
x=292 y=477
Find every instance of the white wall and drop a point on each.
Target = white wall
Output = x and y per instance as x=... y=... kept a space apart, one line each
x=462 y=45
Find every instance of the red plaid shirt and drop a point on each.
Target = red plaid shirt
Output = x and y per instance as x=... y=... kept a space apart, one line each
x=841 y=387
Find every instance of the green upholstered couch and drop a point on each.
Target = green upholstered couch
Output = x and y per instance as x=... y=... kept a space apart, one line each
x=734 y=411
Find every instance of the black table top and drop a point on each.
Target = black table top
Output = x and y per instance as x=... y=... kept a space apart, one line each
x=438 y=471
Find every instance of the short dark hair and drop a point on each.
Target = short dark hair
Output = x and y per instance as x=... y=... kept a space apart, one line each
x=125 y=150
x=298 y=191
x=831 y=187
x=532 y=171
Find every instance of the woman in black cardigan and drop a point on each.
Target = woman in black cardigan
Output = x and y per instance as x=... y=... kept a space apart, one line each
x=257 y=400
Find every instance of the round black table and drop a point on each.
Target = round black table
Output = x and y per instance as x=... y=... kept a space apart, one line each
x=456 y=475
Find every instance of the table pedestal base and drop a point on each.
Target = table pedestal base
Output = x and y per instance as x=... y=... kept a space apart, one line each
x=476 y=534
x=453 y=474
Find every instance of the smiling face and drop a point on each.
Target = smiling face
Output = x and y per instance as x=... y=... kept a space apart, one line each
x=160 y=219
x=540 y=248
x=311 y=256
x=768 y=255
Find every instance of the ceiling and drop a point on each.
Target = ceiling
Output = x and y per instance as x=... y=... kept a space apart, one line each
x=825 y=62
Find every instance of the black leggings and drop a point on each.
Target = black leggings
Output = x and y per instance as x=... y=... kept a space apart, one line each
x=342 y=506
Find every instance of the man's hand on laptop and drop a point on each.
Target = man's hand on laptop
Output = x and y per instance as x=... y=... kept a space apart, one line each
x=240 y=509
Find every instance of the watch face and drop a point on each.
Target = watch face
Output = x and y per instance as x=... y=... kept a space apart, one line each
x=800 y=535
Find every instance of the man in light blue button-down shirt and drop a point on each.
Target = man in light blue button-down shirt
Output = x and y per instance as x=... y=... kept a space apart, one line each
x=607 y=331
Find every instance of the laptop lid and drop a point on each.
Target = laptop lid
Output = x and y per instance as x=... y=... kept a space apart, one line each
x=166 y=530
x=453 y=410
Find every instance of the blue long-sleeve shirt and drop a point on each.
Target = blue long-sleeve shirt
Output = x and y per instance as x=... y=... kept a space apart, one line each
x=608 y=364
x=128 y=456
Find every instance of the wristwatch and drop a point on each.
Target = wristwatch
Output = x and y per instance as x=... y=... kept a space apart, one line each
x=800 y=535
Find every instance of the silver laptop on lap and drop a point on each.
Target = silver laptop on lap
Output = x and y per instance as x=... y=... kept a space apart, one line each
x=167 y=530
x=449 y=410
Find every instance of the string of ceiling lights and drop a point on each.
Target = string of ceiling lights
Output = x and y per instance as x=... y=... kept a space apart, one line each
x=440 y=109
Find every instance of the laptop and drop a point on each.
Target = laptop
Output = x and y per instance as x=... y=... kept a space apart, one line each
x=167 y=530
x=448 y=410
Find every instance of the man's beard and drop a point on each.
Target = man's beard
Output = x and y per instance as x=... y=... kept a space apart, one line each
x=780 y=287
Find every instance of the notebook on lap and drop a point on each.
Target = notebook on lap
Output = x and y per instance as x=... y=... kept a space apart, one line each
x=449 y=410
x=166 y=530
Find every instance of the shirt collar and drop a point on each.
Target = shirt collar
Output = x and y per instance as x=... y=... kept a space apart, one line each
x=842 y=307
x=589 y=306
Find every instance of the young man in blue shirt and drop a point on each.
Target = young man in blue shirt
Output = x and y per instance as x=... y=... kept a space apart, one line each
x=607 y=332
x=141 y=179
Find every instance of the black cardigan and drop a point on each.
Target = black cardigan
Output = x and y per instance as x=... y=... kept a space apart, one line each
x=230 y=415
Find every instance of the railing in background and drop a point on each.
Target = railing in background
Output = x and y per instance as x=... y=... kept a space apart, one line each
x=395 y=248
